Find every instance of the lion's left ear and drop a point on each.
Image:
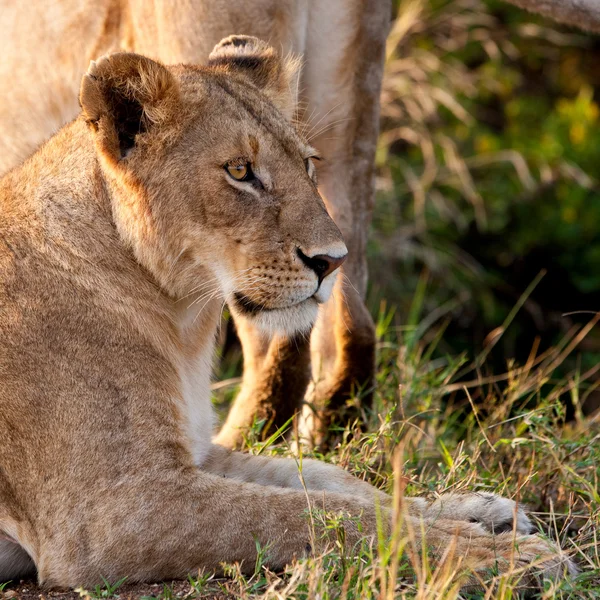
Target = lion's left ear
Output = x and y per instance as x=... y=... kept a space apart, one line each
x=275 y=76
x=123 y=95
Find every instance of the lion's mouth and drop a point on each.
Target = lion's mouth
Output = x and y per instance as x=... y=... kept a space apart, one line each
x=250 y=307
x=247 y=306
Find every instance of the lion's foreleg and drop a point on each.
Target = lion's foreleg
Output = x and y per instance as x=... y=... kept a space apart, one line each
x=305 y=473
x=168 y=526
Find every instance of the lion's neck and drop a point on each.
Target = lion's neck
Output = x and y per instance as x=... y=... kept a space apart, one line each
x=70 y=203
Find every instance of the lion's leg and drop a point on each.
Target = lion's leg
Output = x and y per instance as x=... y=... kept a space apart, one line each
x=298 y=474
x=343 y=54
x=494 y=513
x=276 y=373
x=460 y=547
x=342 y=82
x=45 y=49
x=343 y=363
x=170 y=525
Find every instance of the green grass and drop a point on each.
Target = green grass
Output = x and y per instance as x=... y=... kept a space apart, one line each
x=487 y=175
x=108 y=590
x=503 y=432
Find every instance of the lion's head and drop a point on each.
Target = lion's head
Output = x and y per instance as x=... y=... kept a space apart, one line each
x=213 y=187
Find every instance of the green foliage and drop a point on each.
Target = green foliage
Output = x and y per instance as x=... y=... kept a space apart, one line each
x=487 y=171
x=108 y=590
x=519 y=445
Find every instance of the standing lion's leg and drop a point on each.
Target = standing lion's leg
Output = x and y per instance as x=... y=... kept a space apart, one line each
x=45 y=49
x=276 y=373
x=342 y=78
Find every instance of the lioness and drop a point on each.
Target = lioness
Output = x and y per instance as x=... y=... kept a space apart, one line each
x=175 y=189
x=45 y=48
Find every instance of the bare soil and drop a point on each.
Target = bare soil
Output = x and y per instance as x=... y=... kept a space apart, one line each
x=29 y=590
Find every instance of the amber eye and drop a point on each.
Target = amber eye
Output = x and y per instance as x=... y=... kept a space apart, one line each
x=240 y=172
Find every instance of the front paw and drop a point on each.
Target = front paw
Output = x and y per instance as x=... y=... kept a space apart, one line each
x=494 y=513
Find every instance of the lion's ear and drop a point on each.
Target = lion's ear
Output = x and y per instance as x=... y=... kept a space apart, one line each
x=125 y=94
x=275 y=76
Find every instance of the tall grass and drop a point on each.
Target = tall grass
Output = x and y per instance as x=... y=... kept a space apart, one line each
x=483 y=180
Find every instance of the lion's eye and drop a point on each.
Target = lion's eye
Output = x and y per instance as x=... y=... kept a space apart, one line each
x=240 y=172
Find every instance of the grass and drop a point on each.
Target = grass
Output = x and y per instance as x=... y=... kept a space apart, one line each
x=505 y=433
x=479 y=177
x=108 y=590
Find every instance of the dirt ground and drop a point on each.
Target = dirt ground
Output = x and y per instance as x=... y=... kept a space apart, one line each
x=29 y=590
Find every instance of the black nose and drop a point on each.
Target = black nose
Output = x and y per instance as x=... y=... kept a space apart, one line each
x=321 y=264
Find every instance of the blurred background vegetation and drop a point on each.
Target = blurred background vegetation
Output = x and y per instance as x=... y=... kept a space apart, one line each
x=488 y=198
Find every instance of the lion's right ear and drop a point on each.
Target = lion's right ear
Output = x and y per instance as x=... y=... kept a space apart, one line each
x=123 y=95
x=274 y=75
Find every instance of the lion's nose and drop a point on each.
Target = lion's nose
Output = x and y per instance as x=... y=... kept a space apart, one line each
x=321 y=264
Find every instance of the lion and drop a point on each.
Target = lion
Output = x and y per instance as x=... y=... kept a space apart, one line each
x=176 y=189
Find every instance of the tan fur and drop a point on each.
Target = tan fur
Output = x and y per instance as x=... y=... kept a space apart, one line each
x=119 y=240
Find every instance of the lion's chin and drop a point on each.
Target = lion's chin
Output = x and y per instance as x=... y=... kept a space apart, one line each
x=291 y=320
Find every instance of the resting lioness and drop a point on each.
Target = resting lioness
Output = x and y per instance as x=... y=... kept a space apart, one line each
x=175 y=190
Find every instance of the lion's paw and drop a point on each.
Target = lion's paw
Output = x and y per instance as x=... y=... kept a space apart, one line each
x=494 y=513
x=537 y=557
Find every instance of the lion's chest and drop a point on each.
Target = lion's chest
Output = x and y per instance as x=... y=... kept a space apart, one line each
x=196 y=409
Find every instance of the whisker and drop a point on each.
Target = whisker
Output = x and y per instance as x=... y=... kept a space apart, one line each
x=323 y=117
x=328 y=127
